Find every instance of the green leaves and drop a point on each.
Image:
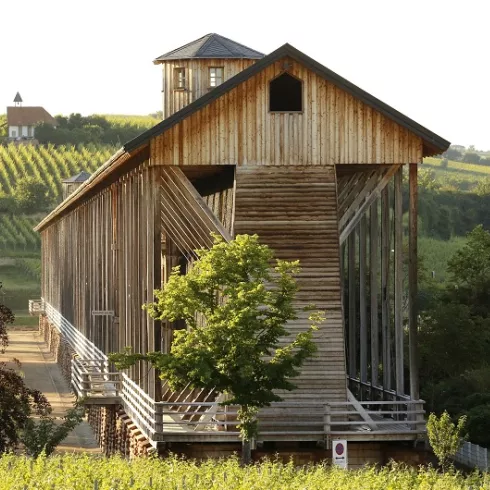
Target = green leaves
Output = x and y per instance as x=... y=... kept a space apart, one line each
x=445 y=437
x=236 y=306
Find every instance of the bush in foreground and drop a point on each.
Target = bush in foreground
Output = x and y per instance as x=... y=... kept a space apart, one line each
x=72 y=472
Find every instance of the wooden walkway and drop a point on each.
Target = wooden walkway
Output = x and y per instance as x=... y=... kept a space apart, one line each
x=42 y=372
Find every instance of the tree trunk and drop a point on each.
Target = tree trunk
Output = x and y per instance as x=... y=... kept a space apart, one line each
x=246 y=452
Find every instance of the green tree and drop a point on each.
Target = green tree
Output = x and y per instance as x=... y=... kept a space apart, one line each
x=43 y=435
x=427 y=180
x=471 y=157
x=445 y=437
x=32 y=195
x=3 y=125
x=8 y=203
x=452 y=154
x=236 y=349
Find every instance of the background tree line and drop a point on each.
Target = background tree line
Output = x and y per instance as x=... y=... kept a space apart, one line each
x=76 y=129
x=31 y=195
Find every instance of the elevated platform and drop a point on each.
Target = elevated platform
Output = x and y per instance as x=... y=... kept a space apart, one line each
x=210 y=421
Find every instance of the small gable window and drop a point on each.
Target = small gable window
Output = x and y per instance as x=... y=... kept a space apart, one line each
x=179 y=78
x=285 y=94
x=216 y=76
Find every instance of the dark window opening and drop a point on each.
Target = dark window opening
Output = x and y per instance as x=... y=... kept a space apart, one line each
x=285 y=94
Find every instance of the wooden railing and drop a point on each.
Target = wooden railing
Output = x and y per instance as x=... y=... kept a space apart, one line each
x=36 y=307
x=375 y=417
x=82 y=346
x=93 y=380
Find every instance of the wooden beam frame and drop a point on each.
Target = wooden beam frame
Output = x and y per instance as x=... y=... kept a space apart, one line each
x=369 y=199
x=351 y=259
x=398 y=291
x=363 y=327
x=412 y=282
x=385 y=286
x=374 y=286
x=353 y=201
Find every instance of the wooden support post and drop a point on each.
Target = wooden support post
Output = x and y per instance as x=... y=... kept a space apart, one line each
x=385 y=286
x=363 y=337
x=327 y=419
x=351 y=251
x=412 y=283
x=398 y=264
x=157 y=267
x=373 y=272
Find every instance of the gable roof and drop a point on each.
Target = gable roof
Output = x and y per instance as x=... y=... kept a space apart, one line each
x=433 y=143
x=210 y=46
x=28 y=116
x=81 y=177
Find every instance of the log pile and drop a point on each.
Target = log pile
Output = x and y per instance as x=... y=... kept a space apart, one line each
x=116 y=433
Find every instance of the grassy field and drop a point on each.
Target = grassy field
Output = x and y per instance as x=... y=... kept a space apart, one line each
x=143 y=122
x=435 y=254
x=18 y=287
x=86 y=473
x=463 y=176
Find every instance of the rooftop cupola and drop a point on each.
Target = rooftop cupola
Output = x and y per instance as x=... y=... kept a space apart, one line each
x=194 y=69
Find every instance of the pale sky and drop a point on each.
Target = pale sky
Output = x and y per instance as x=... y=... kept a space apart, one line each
x=426 y=58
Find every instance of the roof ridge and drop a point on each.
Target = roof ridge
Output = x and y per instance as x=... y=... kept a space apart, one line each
x=169 y=53
x=212 y=36
x=289 y=50
x=240 y=44
x=202 y=48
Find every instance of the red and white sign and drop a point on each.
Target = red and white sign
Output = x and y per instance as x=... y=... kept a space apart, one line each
x=339 y=453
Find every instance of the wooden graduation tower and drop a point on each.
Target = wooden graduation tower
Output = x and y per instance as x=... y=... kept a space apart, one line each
x=276 y=145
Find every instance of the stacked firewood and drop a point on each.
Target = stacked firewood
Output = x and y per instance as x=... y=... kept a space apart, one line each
x=116 y=433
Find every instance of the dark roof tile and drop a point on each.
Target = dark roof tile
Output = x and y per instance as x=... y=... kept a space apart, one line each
x=81 y=177
x=211 y=46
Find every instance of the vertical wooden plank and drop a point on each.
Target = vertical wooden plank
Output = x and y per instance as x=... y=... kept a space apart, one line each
x=351 y=251
x=363 y=339
x=412 y=283
x=398 y=264
x=373 y=273
x=385 y=292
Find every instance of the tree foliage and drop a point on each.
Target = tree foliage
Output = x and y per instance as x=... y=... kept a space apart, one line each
x=455 y=338
x=32 y=195
x=445 y=437
x=471 y=157
x=235 y=310
x=43 y=435
x=76 y=129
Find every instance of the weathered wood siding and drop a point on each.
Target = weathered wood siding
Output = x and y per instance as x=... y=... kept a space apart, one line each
x=105 y=255
x=294 y=211
x=238 y=128
x=197 y=74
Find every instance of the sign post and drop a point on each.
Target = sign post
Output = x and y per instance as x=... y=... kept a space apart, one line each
x=339 y=453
